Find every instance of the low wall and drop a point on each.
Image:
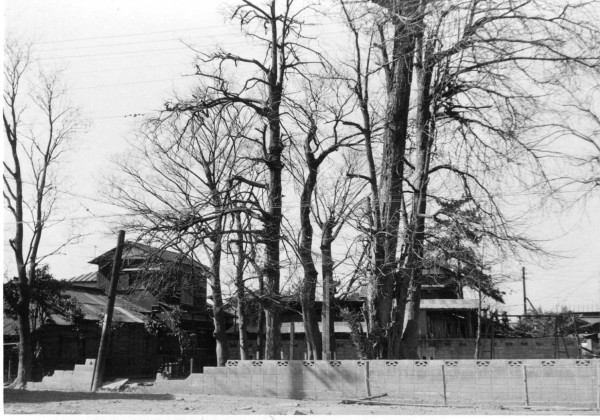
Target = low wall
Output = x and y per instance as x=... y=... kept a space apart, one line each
x=78 y=379
x=454 y=382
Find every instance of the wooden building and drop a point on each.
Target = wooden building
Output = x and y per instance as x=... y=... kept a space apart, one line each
x=152 y=283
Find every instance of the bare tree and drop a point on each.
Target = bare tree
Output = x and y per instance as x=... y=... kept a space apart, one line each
x=465 y=79
x=477 y=69
x=319 y=118
x=30 y=173
x=576 y=121
x=336 y=202
x=180 y=184
x=264 y=94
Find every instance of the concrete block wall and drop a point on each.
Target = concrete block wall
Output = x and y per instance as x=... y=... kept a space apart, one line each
x=455 y=382
x=78 y=379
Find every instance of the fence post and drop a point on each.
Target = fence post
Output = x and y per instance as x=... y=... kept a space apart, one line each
x=525 y=387
x=367 y=379
x=444 y=382
x=598 y=385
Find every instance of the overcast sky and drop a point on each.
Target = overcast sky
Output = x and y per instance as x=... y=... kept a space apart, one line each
x=125 y=58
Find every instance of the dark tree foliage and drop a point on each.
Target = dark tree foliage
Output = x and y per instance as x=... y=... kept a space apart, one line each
x=48 y=297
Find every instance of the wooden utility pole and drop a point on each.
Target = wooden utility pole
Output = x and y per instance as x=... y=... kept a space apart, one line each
x=110 y=305
x=524 y=294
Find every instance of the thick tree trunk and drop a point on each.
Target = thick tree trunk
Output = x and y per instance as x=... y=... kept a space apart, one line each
x=407 y=23
x=220 y=332
x=416 y=232
x=272 y=237
x=271 y=270
x=329 y=345
x=24 y=369
x=240 y=292
x=478 y=336
x=219 y=319
x=260 y=331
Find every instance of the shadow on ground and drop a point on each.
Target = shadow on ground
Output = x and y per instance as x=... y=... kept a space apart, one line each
x=21 y=396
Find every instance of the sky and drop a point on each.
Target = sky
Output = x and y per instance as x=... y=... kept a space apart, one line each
x=123 y=59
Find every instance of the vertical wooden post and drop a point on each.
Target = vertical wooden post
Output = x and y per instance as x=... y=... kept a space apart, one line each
x=191 y=365
x=110 y=305
x=598 y=386
x=525 y=387
x=367 y=379
x=444 y=382
x=292 y=339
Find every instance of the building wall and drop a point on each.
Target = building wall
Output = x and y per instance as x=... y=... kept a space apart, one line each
x=132 y=351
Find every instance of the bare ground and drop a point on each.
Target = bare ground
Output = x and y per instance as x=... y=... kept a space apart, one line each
x=140 y=402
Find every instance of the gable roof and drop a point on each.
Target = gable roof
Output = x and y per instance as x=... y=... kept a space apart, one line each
x=93 y=305
x=136 y=250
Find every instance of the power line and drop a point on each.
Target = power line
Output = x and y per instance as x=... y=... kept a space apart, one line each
x=197 y=28
x=182 y=47
x=130 y=34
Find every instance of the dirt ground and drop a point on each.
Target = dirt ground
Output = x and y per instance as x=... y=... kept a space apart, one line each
x=54 y=402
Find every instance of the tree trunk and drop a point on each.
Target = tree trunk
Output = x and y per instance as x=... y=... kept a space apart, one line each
x=309 y=284
x=274 y=192
x=407 y=21
x=478 y=337
x=219 y=319
x=416 y=230
x=220 y=326
x=24 y=368
x=240 y=292
x=260 y=331
x=23 y=321
x=328 y=291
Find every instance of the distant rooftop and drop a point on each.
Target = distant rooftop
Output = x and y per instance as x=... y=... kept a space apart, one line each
x=136 y=250
x=83 y=278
